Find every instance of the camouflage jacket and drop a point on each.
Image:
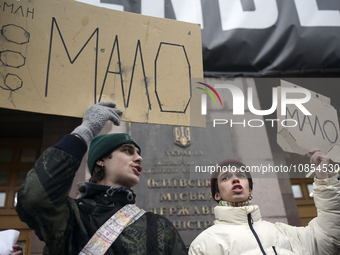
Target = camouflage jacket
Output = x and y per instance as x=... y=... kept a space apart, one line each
x=66 y=224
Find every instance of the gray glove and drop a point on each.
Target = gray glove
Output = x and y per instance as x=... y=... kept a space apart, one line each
x=95 y=118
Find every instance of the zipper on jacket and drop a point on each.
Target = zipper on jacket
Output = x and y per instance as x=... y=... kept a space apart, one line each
x=274 y=250
x=250 y=223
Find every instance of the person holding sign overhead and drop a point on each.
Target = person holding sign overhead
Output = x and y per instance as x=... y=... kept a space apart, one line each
x=239 y=229
x=104 y=219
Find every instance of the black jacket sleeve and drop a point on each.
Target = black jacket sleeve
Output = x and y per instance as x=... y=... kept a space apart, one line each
x=42 y=199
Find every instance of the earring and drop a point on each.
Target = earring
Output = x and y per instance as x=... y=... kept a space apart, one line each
x=250 y=196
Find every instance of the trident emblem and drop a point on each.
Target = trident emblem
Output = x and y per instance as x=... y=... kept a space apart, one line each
x=182 y=136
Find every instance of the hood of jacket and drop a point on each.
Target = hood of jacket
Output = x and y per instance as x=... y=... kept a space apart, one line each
x=115 y=196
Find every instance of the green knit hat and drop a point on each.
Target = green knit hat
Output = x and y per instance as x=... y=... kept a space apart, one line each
x=102 y=145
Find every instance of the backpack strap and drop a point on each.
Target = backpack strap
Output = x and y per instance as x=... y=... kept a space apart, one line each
x=101 y=241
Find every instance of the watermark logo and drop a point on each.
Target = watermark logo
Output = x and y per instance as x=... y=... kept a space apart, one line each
x=294 y=97
x=204 y=97
x=239 y=99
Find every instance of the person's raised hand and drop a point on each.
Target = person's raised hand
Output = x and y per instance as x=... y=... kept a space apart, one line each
x=95 y=118
x=320 y=162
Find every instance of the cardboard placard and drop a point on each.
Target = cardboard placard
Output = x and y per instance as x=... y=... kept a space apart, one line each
x=59 y=57
x=319 y=130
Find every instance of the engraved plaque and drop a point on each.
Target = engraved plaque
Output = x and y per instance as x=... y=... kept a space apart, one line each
x=173 y=182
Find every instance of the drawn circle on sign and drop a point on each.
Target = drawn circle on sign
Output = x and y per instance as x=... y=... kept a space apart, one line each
x=12 y=82
x=12 y=59
x=168 y=55
x=331 y=131
x=15 y=34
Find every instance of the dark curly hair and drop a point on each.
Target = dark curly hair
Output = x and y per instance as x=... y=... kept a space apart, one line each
x=98 y=173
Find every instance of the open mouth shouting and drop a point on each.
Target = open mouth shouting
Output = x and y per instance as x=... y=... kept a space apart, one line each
x=137 y=169
x=237 y=188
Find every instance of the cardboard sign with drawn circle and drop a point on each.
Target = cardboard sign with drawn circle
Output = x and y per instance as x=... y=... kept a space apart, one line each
x=318 y=130
x=59 y=57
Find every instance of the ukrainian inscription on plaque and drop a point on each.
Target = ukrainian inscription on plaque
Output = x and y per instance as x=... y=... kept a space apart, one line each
x=174 y=182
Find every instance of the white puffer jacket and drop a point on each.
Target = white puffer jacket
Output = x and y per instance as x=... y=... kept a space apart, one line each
x=241 y=231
